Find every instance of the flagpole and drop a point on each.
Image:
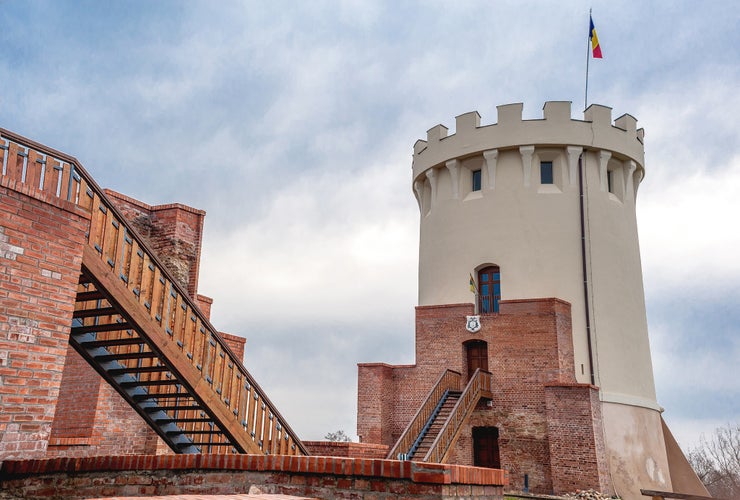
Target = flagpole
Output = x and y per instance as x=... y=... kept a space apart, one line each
x=588 y=48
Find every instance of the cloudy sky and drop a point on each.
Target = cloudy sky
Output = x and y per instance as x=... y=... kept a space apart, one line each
x=292 y=125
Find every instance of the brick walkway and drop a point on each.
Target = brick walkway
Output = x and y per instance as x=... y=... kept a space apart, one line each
x=257 y=496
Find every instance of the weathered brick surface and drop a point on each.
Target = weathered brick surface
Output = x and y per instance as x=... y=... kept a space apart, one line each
x=93 y=419
x=173 y=231
x=577 y=450
x=235 y=343
x=204 y=304
x=342 y=449
x=41 y=241
x=529 y=347
x=316 y=477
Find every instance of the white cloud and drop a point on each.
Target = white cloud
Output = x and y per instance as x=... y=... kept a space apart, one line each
x=328 y=247
x=689 y=232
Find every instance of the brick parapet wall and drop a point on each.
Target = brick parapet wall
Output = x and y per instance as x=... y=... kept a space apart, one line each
x=41 y=242
x=577 y=448
x=322 y=477
x=235 y=343
x=204 y=304
x=174 y=231
x=529 y=347
x=346 y=449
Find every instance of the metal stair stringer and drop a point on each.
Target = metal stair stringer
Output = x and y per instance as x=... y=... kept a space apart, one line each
x=123 y=314
x=118 y=376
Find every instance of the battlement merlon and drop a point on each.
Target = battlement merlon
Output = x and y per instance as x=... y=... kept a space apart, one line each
x=595 y=132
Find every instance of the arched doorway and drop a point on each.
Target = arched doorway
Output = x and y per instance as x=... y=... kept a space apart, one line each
x=476 y=355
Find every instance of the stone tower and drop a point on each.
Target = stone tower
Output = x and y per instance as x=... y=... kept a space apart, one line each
x=514 y=215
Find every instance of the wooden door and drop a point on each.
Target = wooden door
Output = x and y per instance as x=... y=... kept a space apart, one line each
x=485 y=447
x=477 y=356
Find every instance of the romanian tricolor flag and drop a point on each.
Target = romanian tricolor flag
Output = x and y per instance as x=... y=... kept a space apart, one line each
x=595 y=47
x=472 y=285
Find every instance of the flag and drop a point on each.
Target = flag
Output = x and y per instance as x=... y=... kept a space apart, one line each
x=472 y=285
x=595 y=47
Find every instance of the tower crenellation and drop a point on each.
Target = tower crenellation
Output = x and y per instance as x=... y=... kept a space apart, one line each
x=596 y=130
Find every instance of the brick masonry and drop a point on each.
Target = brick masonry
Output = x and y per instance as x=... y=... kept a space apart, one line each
x=93 y=419
x=346 y=449
x=577 y=449
x=173 y=231
x=315 y=476
x=41 y=240
x=540 y=412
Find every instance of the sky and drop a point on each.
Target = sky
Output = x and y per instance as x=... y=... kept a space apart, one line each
x=292 y=125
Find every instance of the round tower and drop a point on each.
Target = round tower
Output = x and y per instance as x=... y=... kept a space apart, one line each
x=526 y=209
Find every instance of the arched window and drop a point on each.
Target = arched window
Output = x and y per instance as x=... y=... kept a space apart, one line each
x=489 y=289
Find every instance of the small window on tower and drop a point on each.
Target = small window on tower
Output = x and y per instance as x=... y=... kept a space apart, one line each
x=476 y=180
x=546 y=176
x=610 y=180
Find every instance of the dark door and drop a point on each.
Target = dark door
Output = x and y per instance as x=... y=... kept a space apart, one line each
x=477 y=354
x=485 y=447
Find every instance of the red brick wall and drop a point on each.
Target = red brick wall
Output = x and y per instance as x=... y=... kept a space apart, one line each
x=529 y=347
x=315 y=477
x=577 y=450
x=93 y=419
x=235 y=343
x=41 y=242
x=74 y=419
x=375 y=403
x=346 y=449
x=204 y=304
x=173 y=231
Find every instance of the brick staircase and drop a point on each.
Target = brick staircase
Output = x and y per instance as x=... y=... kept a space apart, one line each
x=141 y=331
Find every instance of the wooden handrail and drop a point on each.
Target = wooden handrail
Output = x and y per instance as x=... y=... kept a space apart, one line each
x=129 y=259
x=449 y=380
x=480 y=385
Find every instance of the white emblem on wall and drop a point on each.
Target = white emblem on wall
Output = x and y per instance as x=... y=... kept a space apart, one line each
x=472 y=324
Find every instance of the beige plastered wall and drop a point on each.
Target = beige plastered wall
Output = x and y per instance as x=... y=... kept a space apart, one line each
x=636 y=450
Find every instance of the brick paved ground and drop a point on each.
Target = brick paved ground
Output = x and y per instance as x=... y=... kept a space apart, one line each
x=259 y=496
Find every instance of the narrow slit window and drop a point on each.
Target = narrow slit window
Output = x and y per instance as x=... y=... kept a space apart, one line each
x=546 y=176
x=476 y=180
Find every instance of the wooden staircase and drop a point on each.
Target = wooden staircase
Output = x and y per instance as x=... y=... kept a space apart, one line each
x=433 y=431
x=435 y=424
x=145 y=335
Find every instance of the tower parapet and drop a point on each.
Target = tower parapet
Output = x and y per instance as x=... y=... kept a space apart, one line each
x=596 y=131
